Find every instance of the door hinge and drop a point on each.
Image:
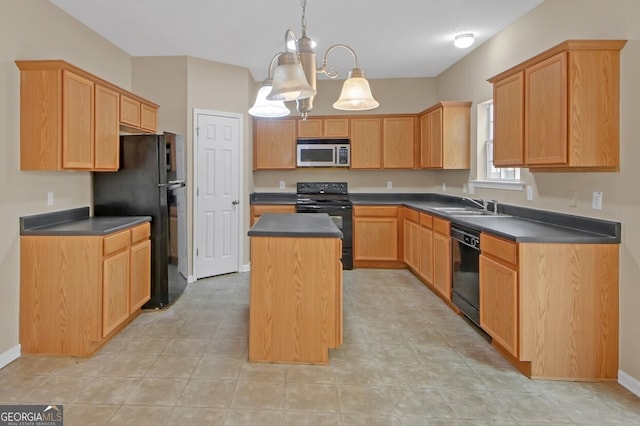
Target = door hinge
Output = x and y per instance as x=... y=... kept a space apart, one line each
x=197 y=192
x=197 y=131
x=197 y=252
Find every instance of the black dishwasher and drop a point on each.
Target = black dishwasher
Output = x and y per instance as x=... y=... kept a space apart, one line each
x=465 y=271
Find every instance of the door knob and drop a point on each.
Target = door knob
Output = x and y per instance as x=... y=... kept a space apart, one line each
x=235 y=202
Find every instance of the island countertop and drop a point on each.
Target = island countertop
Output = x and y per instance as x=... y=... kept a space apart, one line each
x=317 y=225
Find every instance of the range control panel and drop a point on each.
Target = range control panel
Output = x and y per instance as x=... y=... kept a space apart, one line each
x=322 y=187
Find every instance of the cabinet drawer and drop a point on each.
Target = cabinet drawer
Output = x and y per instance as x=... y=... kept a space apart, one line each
x=412 y=215
x=375 y=211
x=499 y=248
x=259 y=210
x=140 y=232
x=115 y=242
x=426 y=220
x=441 y=226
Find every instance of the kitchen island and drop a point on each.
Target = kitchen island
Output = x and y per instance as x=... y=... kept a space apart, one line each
x=296 y=289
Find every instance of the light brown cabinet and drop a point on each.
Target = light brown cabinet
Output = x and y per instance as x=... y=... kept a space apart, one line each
x=411 y=225
x=82 y=290
x=323 y=128
x=376 y=236
x=137 y=114
x=274 y=144
x=560 y=109
x=445 y=138
x=258 y=210
x=425 y=238
x=442 y=257
x=70 y=119
x=366 y=143
x=531 y=292
x=398 y=142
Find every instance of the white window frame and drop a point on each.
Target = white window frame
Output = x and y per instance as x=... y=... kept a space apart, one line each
x=489 y=176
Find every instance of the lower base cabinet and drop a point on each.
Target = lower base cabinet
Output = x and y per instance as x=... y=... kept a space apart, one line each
x=552 y=309
x=76 y=292
x=376 y=236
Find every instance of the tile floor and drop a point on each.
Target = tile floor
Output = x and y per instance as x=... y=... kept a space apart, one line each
x=407 y=360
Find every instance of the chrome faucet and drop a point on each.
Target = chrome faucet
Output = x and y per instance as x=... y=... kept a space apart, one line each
x=495 y=206
x=484 y=204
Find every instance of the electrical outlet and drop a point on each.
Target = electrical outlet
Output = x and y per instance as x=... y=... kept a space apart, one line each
x=282 y=186
x=596 y=203
x=389 y=184
x=529 y=193
x=573 y=198
x=49 y=198
x=444 y=187
x=464 y=188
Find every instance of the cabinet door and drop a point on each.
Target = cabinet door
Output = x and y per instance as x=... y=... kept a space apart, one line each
x=398 y=143
x=442 y=265
x=258 y=210
x=545 y=111
x=148 y=118
x=140 y=281
x=508 y=121
x=375 y=238
x=425 y=262
x=107 y=129
x=436 y=139
x=411 y=244
x=310 y=128
x=336 y=127
x=425 y=141
x=274 y=144
x=366 y=143
x=499 y=303
x=130 y=111
x=115 y=291
x=77 y=121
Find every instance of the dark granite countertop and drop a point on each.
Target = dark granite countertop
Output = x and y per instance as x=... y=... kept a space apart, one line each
x=515 y=223
x=318 y=225
x=76 y=222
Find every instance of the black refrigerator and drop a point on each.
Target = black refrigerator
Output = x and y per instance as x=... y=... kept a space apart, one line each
x=141 y=188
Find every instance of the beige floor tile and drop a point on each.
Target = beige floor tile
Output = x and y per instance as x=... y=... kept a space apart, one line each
x=207 y=393
x=88 y=414
x=128 y=415
x=365 y=400
x=238 y=417
x=186 y=346
x=454 y=378
x=365 y=373
x=192 y=416
x=218 y=368
x=146 y=345
x=425 y=402
x=14 y=387
x=476 y=405
x=173 y=366
x=259 y=395
x=233 y=348
x=35 y=365
x=56 y=390
x=156 y=391
x=369 y=420
x=426 y=421
x=312 y=397
x=128 y=364
x=263 y=372
x=107 y=390
x=320 y=374
x=294 y=418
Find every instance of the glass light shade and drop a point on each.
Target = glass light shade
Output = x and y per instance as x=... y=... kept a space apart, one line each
x=356 y=94
x=265 y=108
x=289 y=81
x=463 y=41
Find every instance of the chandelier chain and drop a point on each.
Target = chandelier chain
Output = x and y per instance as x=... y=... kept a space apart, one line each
x=304 y=17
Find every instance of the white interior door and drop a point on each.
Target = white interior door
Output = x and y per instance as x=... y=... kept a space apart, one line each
x=217 y=194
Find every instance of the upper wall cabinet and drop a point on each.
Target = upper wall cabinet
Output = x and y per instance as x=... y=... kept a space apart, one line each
x=71 y=119
x=445 y=136
x=323 y=128
x=274 y=144
x=559 y=111
x=398 y=142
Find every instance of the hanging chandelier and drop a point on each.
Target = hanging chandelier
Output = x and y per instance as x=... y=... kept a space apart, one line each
x=294 y=79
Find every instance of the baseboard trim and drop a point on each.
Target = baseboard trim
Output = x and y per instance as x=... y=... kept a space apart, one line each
x=190 y=279
x=9 y=356
x=246 y=267
x=629 y=382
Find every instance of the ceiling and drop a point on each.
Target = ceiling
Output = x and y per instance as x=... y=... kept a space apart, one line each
x=392 y=39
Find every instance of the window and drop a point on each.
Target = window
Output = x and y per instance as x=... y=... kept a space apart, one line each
x=488 y=175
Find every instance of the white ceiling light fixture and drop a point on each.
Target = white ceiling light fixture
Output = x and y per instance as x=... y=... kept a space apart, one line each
x=266 y=108
x=295 y=76
x=462 y=41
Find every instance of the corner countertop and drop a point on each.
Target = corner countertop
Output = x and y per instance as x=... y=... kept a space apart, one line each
x=515 y=223
x=76 y=222
x=300 y=225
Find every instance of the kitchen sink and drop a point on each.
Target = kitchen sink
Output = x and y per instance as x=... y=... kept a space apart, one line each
x=468 y=212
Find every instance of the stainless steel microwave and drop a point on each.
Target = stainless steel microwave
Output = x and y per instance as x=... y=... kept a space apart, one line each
x=323 y=153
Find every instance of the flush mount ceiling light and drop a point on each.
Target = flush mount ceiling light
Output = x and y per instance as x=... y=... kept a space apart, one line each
x=266 y=108
x=462 y=41
x=295 y=77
